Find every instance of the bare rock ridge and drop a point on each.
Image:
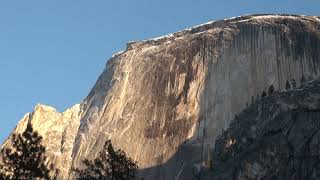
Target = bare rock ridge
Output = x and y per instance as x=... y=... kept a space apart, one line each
x=277 y=137
x=165 y=100
x=58 y=131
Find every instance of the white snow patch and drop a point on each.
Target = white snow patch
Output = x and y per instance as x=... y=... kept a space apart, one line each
x=197 y=26
x=235 y=17
x=249 y=17
x=189 y=29
x=117 y=53
x=272 y=17
x=162 y=37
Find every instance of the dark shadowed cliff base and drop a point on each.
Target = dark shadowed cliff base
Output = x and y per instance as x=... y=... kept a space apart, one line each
x=275 y=138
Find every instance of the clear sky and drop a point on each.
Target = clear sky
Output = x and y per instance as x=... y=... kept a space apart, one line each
x=52 y=51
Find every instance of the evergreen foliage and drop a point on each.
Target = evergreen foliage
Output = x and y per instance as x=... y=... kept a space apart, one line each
x=294 y=83
x=3 y=176
x=303 y=80
x=26 y=158
x=209 y=164
x=258 y=97
x=288 y=87
x=111 y=164
x=271 y=90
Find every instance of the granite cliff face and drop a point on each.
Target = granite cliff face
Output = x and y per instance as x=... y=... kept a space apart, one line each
x=164 y=101
x=277 y=137
x=58 y=131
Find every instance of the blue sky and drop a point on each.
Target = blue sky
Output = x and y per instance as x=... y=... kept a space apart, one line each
x=52 y=52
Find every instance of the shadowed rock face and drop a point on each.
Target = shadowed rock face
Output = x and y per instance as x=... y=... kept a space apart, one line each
x=164 y=101
x=276 y=137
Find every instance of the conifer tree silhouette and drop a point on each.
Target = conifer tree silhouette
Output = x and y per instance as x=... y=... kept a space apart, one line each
x=303 y=80
x=271 y=90
x=294 y=83
x=110 y=165
x=3 y=176
x=258 y=97
x=288 y=87
x=25 y=159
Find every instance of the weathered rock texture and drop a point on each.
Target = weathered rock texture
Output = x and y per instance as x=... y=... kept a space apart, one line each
x=164 y=101
x=58 y=131
x=275 y=138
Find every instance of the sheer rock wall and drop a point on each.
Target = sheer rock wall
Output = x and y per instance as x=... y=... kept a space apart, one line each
x=164 y=101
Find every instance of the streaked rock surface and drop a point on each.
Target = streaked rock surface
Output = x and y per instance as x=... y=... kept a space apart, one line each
x=164 y=101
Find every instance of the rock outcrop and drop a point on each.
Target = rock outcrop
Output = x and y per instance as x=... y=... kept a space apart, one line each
x=164 y=101
x=277 y=137
x=58 y=130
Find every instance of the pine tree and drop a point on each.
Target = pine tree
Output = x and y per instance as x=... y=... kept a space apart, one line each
x=288 y=87
x=3 y=175
x=110 y=165
x=271 y=90
x=258 y=96
x=294 y=83
x=303 y=80
x=26 y=159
